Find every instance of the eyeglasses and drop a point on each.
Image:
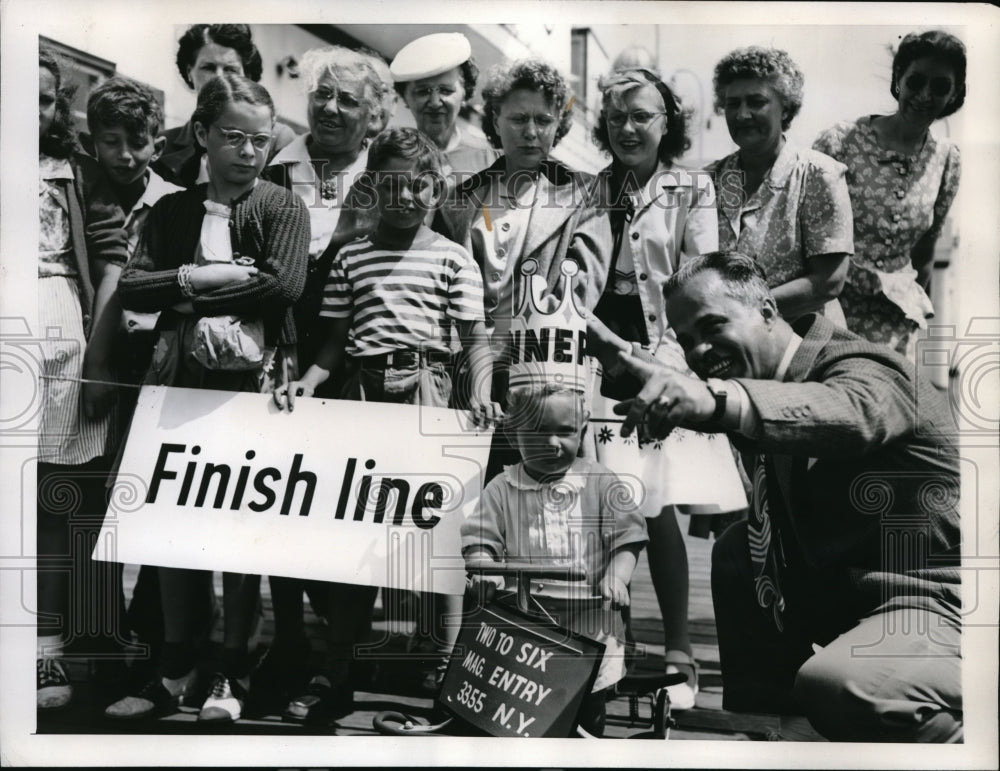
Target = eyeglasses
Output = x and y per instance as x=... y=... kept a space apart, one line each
x=426 y=92
x=940 y=86
x=345 y=99
x=237 y=139
x=639 y=118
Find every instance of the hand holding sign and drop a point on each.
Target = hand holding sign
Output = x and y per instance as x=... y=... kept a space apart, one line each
x=481 y=587
x=615 y=590
x=484 y=412
x=284 y=396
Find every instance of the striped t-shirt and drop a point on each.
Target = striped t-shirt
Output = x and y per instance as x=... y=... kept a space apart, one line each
x=403 y=300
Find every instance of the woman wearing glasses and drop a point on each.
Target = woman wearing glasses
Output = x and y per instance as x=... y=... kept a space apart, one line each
x=344 y=109
x=436 y=75
x=902 y=180
x=227 y=254
x=660 y=215
x=785 y=206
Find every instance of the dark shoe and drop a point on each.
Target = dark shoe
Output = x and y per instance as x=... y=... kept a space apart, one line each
x=225 y=700
x=321 y=703
x=153 y=699
x=54 y=688
x=432 y=678
x=282 y=673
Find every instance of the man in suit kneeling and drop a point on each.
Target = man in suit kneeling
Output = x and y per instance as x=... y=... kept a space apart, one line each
x=839 y=597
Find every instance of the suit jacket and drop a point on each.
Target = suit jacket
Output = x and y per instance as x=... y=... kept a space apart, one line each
x=866 y=470
x=564 y=224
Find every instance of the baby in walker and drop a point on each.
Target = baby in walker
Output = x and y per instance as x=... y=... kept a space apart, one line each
x=557 y=508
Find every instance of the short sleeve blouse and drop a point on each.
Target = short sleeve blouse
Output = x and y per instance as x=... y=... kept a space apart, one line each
x=801 y=209
x=898 y=200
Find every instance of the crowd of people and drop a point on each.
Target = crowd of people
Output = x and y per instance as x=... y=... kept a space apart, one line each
x=755 y=321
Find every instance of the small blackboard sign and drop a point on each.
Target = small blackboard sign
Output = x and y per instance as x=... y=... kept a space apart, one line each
x=513 y=675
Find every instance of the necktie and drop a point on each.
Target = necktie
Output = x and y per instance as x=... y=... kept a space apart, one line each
x=764 y=552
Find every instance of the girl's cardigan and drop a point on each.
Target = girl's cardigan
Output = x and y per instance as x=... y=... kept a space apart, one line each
x=268 y=223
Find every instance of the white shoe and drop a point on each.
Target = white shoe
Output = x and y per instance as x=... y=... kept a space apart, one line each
x=225 y=702
x=682 y=696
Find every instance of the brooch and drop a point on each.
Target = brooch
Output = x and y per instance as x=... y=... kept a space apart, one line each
x=328 y=190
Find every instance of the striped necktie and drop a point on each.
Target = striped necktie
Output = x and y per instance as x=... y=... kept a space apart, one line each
x=764 y=556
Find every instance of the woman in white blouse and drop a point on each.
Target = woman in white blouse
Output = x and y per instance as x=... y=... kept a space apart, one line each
x=660 y=214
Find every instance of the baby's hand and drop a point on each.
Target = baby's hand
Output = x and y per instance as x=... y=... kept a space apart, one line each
x=484 y=412
x=481 y=589
x=614 y=589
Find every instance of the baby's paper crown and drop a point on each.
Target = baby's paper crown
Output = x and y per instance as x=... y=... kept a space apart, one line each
x=548 y=334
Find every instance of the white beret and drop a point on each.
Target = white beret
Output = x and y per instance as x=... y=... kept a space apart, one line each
x=430 y=55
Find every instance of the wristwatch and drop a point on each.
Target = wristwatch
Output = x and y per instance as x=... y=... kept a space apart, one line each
x=720 y=393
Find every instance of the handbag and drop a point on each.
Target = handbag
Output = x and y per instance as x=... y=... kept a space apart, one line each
x=228 y=343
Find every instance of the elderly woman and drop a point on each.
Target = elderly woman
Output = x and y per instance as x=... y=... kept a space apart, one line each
x=660 y=216
x=785 y=206
x=435 y=76
x=204 y=51
x=902 y=180
x=344 y=110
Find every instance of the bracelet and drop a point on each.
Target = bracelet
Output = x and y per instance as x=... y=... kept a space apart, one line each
x=184 y=280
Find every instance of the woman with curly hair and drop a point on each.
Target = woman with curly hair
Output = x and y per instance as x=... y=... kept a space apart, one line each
x=660 y=215
x=81 y=251
x=527 y=206
x=203 y=52
x=345 y=107
x=785 y=206
x=902 y=180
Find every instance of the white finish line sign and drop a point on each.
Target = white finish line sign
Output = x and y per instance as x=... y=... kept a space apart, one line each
x=357 y=492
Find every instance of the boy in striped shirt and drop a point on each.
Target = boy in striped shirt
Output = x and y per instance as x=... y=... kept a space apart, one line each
x=393 y=299
x=390 y=305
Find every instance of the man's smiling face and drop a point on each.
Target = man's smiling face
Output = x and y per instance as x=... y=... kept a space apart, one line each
x=722 y=336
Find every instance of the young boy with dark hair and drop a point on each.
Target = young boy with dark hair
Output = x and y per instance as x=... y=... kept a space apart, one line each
x=124 y=119
x=390 y=305
x=393 y=298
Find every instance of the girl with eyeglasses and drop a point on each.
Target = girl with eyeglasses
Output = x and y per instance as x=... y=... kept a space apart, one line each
x=660 y=215
x=902 y=180
x=233 y=247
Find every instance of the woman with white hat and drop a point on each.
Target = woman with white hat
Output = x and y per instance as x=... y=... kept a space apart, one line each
x=436 y=75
